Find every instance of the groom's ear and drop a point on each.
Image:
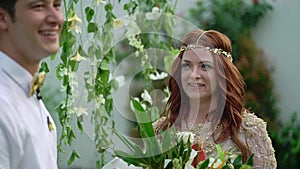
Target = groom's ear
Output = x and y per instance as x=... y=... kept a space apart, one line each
x=4 y=17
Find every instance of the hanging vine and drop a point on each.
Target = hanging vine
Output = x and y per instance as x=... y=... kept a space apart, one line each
x=88 y=39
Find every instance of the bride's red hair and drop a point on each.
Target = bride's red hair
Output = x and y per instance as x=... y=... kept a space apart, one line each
x=230 y=83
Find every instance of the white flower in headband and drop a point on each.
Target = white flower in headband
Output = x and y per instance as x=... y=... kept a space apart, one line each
x=217 y=51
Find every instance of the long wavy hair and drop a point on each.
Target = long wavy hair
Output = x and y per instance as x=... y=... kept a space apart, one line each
x=230 y=83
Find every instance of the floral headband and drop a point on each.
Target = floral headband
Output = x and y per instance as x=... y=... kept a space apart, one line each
x=217 y=51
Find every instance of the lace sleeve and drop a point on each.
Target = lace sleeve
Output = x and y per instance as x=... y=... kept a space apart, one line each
x=259 y=142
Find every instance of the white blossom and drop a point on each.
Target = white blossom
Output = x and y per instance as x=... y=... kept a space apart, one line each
x=80 y=111
x=188 y=164
x=154 y=14
x=146 y=97
x=97 y=2
x=185 y=136
x=74 y=20
x=77 y=57
x=158 y=76
x=167 y=161
x=216 y=164
x=131 y=25
x=101 y=99
x=117 y=23
x=120 y=79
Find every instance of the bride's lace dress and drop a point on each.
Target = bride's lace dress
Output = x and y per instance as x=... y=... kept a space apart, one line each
x=253 y=133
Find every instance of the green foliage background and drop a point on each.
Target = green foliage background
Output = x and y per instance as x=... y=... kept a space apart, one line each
x=235 y=18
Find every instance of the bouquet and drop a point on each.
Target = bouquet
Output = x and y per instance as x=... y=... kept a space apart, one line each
x=172 y=149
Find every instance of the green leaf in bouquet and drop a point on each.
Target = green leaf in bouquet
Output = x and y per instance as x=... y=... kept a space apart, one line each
x=244 y=166
x=135 y=148
x=170 y=143
x=152 y=154
x=140 y=160
x=172 y=153
x=181 y=146
x=188 y=150
x=185 y=149
x=220 y=152
x=151 y=144
x=177 y=163
x=169 y=165
x=238 y=161
x=137 y=105
x=166 y=140
x=155 y=113
x=129 y=144
x=250 y=160
x=176 y=149
x=203 y=165
x=225 y=167
x=146 y=129
x=131 y=158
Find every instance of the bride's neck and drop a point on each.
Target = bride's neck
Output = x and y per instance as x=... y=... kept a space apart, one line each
x=199 y=111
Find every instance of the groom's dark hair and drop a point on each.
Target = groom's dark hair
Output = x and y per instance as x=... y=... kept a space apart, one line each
x=9 y=6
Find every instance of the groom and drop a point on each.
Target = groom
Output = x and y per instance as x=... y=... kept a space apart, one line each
x=29 y=32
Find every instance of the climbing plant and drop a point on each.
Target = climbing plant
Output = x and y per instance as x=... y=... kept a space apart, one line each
x=88 y=55
x=90 y=51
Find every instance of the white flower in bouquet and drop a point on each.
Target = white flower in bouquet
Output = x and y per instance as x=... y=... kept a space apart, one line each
x=213 y=163
x=186 y=136
x=146 y=97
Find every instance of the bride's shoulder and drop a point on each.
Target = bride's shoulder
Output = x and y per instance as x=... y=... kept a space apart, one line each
x=250 y=120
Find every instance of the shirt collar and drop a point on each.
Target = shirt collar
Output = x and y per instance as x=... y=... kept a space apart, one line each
x=16 y=72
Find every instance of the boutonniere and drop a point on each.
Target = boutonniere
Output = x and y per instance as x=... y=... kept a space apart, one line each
x=50 y=125
x=37 y=82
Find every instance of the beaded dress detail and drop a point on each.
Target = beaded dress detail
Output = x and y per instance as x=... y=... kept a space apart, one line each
x=253 y=133
x=203 y=134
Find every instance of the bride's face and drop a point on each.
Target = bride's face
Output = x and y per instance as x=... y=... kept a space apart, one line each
x=198 y=75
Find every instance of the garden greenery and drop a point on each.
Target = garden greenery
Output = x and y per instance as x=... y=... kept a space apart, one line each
x=89 y=39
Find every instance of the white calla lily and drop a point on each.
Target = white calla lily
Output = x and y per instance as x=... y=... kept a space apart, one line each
x=185 y=136
x=146 y=97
